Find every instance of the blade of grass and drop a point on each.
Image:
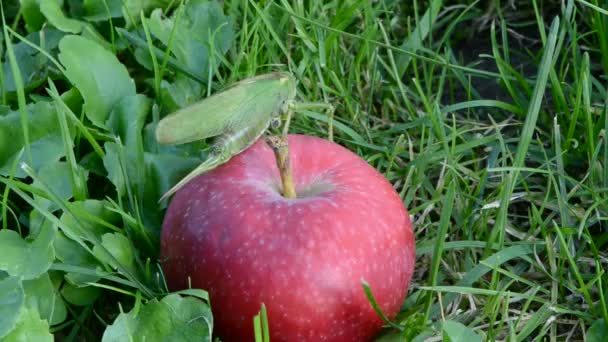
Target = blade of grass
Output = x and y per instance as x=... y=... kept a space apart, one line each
x=421 y=32
x=497 y=235
x=444 y=223
x=18 y=79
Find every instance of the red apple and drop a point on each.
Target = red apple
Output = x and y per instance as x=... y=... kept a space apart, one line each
x=233 y=233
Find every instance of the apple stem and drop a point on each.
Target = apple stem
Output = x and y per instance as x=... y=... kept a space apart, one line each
x=281 y=151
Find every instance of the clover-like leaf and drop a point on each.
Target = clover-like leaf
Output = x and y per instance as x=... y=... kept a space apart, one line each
x=598 y=331
x=40 y=294
x=84 y=263
x=57 y=175
x=45 y=142
x=29 y=327
x=27 y=258
x=53 y=12
x=174 y=318
x=101 y=79
x=80 y=295
x=457 y=332
x=33 y=65
x=82 y=225
x=198 y=25
x=119 y=247
x=11 y=301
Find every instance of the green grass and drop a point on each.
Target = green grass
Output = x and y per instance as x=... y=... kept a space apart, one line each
x=489 y=118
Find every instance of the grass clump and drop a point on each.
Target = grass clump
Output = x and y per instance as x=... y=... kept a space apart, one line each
x=489 y=118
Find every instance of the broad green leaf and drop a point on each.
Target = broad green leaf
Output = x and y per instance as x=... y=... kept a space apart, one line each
x=101 y=79
x=189 y=33
x=162 y=172
x=93 y=218
x=29 y=327
x=38 y=222
x=96 y=10
x=30 y=10
x=87 y=211
x=11 y=301
x=57 y=176
x=51 y=9
x=47 y=149
x=41 y=295
x=80 y=295
x=458 y=332
x=127 y=119
x=198 y=25
x=115 y=167
x=46 y=144
x=119 y=247
x=72 y=253
x=598 y=331
x=32 y=64
x=174 y=318
x=180 y=93
x=27 y=258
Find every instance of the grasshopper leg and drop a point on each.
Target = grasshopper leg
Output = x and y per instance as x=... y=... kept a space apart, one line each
x=295 y=107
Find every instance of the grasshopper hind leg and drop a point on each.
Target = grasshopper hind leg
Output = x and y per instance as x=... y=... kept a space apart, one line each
x=292 y=107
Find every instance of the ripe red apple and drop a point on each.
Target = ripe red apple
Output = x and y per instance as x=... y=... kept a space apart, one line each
x=233 y=233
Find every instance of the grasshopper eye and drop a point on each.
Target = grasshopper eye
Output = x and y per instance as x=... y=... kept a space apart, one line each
x=275 y=122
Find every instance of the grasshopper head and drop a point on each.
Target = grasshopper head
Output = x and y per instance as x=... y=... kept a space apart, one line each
x=288 y=85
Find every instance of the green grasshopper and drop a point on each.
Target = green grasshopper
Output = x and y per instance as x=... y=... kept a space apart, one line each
x=238 y=116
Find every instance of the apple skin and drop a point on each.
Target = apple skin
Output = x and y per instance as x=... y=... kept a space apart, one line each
x=234 y=235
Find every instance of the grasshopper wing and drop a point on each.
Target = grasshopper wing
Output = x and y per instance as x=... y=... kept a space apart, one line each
x=238 y=106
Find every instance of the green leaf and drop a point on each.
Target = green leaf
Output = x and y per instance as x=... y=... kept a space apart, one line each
x=189 y=33
x=33 y=65
x=119 y=247
x=180 y=93
x=260 y=325
x=127 y=119
x=87 y=211
x=112 y=164
x=174 y=318
x=11 y=301
x=80 y=295
x=51 y=9
x=598 y=331
x=27 y=258
x=162 y=171
x=198 y=25
x=57 y=176
x=29 y=328
x=46 y=142
x=96 y=10
x=41 y=295
x=30 y=10
x=101 y=79
x=71 y=253
x=458 y=332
